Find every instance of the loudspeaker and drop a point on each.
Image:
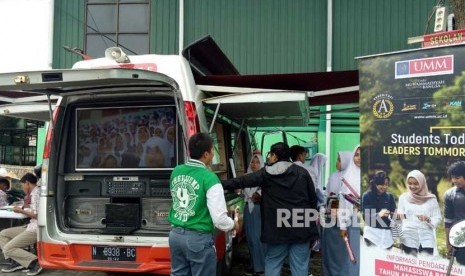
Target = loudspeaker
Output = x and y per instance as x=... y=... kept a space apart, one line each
x=116 y=54
x=86 y=212
x=155 y=213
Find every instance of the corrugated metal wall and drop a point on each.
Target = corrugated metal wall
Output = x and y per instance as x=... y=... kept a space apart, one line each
x=68 y=30
x=263 y=36
x=165 y=26
x=268 y=36
x=365 y=27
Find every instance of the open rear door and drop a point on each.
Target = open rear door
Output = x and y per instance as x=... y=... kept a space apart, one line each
x=27 y=94
x=263 y=108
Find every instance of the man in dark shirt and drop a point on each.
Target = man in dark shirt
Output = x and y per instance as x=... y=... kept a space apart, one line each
x=288 y=210
x=454 y=205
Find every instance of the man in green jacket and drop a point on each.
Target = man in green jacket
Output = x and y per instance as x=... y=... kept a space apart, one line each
x=198 y=207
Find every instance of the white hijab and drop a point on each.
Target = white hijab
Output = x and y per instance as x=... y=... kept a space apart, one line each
x=248 y=192
x=334 y=181
x=164 y=147
x=316 y=169
x=352 y=173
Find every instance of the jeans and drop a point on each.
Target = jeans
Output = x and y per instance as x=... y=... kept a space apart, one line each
x=299 y=258
x=192 y=253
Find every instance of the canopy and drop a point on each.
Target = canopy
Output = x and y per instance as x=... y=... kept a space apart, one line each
x=323 y=87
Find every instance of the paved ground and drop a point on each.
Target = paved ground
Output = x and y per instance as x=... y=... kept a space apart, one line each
x=241 y=260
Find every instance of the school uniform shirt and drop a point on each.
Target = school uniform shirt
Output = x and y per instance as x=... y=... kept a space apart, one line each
x=414 y=231
x=35 y=194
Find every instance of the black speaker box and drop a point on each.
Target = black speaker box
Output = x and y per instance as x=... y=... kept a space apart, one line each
x=86 y=212
x=155 y=213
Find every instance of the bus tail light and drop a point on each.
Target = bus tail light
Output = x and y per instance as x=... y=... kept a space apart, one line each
x=50 y=131
x=192 y=119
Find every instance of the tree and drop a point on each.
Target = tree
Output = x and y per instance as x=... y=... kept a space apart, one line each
x=458 y=8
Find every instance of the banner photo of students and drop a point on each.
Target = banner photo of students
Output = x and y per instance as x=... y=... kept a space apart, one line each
x=412 y=129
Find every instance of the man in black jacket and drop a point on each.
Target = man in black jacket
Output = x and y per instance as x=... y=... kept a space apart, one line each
x=288 y=210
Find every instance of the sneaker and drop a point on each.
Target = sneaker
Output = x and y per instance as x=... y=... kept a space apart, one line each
x=13 y=266
x=34 y=268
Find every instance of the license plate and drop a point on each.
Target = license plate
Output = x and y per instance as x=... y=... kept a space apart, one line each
x=113 y=253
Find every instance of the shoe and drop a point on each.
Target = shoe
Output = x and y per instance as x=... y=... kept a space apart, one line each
x=13 y=266
x=34 y=268
x=259 y=274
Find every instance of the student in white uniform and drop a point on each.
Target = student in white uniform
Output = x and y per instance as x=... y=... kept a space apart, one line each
x=421 y=216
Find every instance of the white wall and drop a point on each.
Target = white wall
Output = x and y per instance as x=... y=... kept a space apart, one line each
x=26 y=35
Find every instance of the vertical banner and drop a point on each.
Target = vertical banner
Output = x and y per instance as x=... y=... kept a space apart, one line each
x=412 y=127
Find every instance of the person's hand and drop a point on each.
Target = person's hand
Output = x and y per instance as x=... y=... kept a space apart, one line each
x=236 y=213
x=18 y=209
x=423 y=218
x=237 y=226
x=384 y=213
x=256 y=197
x=238 y=191
x=343 y=233
x=399 y=216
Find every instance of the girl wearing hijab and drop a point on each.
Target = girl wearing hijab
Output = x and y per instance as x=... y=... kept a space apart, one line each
x=378 y=205
x=155 y=154
x=348 y=213
x=252 y=218
x=333 y=257
x=317 y=165
x=143 y=134
x=421 y=215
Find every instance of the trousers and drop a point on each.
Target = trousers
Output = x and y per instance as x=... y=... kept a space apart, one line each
x=192 y=253
x=13 y=242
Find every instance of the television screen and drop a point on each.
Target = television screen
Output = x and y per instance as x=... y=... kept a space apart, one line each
x=124 y=138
